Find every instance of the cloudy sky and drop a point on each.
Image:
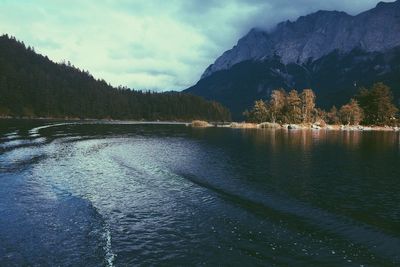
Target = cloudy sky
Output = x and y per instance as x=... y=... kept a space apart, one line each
x=148 y=44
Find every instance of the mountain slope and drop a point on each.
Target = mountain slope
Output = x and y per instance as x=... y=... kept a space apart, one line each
x=31 y=85
x=329 y=51
x=335 y=78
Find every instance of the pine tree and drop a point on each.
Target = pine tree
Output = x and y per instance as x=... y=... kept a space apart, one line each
x=259 y=113
x=377 y=104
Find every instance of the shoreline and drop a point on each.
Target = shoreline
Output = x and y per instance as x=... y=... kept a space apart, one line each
x=293 y=126
x=358 y=128
x=232 y=125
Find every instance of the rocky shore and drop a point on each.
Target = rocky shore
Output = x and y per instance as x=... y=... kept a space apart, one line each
x=315 y=126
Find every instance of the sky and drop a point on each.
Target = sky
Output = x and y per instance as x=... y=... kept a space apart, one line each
x=155 y=45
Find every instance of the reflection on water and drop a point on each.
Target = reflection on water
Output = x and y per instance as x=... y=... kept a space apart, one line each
x=305 y=139
x=104 y=194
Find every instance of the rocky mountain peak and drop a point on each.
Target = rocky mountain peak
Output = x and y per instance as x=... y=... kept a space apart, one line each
x=315 y=35
x=388 y=4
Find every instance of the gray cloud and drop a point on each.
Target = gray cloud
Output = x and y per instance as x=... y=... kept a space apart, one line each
x=159 y=45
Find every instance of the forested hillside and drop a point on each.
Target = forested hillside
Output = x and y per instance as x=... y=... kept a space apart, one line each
x=31 y=85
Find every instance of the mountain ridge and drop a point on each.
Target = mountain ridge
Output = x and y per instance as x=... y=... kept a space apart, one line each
x=312 y=36
x=253 y=68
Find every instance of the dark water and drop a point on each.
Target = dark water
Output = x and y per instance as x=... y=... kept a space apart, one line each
x=125 y=194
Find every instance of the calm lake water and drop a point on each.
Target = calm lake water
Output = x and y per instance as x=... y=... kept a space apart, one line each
x=117 y=194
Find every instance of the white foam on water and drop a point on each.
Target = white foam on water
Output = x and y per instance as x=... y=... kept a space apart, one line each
x=35 y=131
x=110 y=256
x=20 y=142
x=11 y=135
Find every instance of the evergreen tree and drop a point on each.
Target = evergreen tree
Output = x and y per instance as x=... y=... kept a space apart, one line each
x=377 y=104
x=259 y=112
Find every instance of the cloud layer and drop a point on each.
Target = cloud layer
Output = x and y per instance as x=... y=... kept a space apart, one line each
x=156 y=44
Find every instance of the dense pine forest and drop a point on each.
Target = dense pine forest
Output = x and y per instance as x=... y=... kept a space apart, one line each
x=31 y=85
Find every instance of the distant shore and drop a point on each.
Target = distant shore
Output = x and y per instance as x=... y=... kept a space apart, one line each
x=233 y=125
x=183 y=122
x=269 y=125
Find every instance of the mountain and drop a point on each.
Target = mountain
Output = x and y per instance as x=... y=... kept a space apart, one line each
x=329 y=51
x=31 y=85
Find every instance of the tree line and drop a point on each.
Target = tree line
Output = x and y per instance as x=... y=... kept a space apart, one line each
x=370 y=106
x=31 y=85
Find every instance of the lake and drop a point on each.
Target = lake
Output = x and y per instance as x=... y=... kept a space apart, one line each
x=117 y=194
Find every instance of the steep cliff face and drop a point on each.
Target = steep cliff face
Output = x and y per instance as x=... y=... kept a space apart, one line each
x=316 y=35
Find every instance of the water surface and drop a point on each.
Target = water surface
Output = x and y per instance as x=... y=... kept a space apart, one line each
x=117 y=194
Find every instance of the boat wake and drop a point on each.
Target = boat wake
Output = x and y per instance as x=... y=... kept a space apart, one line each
x=109 y=254
x=306 y=218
